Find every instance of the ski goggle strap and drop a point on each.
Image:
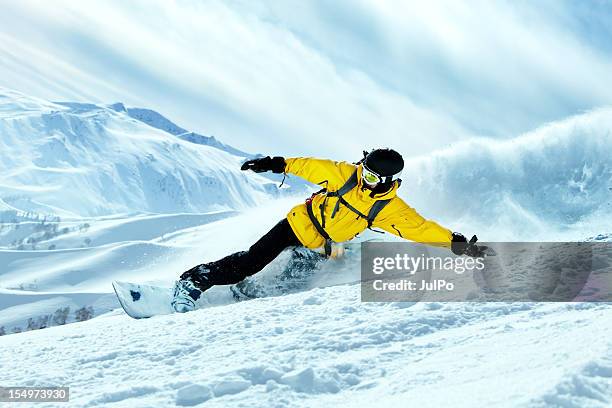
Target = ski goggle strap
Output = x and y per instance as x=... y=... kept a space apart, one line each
x=372 y=178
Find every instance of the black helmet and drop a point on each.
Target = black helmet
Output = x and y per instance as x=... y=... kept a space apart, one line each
x=387 y=164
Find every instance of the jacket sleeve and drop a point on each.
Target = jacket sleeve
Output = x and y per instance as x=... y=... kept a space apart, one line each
x=326 y=173
x=403 y=221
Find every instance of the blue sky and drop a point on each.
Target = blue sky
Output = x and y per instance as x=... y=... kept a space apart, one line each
x=325 y=78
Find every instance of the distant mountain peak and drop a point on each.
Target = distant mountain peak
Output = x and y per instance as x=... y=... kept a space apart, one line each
x=118 y=107
x=155 y=119
x=158 y=121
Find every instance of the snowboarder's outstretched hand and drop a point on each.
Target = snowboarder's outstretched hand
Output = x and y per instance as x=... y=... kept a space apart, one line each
x=461 y=246
x=274 y=164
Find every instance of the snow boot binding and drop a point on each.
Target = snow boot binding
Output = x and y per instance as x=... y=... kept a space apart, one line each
x=189 y=288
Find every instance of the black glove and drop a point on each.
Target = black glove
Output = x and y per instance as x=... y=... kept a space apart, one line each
x=461 y=246
x=274 y=164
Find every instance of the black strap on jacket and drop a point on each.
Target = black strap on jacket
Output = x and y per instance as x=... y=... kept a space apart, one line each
x=376 y=208
x=350 y=184
x=319 y=228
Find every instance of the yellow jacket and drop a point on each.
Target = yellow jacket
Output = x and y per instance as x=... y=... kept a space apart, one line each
x=397 y=217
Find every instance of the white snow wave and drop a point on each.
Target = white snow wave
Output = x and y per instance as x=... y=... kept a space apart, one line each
x=553 y=182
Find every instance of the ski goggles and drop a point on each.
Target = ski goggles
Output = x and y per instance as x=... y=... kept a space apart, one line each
x=371 y=178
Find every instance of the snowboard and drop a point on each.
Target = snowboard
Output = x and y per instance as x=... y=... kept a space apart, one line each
x=143 y=301
x=291 y=272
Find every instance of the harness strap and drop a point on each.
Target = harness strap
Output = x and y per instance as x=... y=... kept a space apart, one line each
x=350 y=184
x=319 y=228
x=375 y=210
x=350 y=207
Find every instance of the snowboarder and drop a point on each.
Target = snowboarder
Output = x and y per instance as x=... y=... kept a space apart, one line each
x=354 y=197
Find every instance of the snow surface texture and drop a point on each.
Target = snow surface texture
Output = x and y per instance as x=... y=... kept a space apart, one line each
x=325 y=348
x=83 y=205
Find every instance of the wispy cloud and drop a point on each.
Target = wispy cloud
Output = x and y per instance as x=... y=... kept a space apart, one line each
x=318 y=77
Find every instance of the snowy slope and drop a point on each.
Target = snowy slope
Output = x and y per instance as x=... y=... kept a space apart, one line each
x=149 y=247
x=83 y=262
x=326 y=348
x=89 y=160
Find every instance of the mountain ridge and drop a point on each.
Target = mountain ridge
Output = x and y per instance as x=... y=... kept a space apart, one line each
x=86 y=159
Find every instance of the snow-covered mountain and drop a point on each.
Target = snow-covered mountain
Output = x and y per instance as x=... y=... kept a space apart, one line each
x=75 y=159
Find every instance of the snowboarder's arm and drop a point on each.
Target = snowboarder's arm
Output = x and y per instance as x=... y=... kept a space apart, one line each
x=326 y=173
x=400 y=219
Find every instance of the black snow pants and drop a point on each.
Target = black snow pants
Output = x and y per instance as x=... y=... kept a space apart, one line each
x=237 y=266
